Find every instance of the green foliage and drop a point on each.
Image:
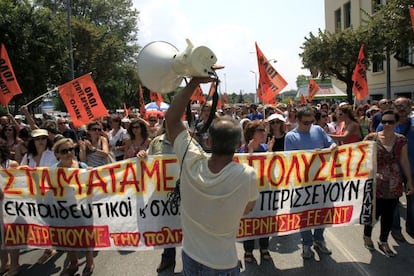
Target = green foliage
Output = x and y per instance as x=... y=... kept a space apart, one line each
x=34 y=39
x=335 y=54
x=104 y=39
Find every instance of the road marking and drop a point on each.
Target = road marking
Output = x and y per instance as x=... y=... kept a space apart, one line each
x=355 y=262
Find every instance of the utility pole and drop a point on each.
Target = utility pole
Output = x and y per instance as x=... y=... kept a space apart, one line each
x=68 y=17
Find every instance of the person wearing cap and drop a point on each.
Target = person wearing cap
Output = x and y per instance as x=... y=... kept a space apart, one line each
x=125 y=122
x=39 y=154
x=277 y=132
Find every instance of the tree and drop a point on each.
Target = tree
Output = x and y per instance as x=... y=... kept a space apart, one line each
x=34 y=39
x=104 y=43
x=391 y=30
x=386 y=32
x=104 y=35
x=333 y=55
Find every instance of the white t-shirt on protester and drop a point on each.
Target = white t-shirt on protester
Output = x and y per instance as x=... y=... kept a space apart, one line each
x=212 y=205
x=48 y=159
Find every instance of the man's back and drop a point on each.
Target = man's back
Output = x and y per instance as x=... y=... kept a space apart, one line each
x=212 y=205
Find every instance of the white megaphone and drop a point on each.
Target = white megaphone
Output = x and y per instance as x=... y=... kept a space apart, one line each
x=161 y=68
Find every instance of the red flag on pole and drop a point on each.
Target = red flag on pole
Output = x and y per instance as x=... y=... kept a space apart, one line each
x=359 y=77
x=141 y=102
x=412 y=16
x=82 y=100
x=270 y=81
x=198 y=95
x=156 y=97
x=9 y=87
x=313 y=89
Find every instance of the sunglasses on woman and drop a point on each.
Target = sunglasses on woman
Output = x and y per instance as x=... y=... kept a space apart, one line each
x=65 y=151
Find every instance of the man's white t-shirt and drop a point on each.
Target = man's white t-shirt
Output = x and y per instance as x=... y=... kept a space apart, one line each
x=212 y=205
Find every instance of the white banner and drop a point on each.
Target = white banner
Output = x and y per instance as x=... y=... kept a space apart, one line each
x=123 y=206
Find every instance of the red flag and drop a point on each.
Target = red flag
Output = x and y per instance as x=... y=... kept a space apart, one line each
x=313 y=89
x=141 y=102
x=82 y=100
x=270 y=81
x=302 y=99
x=359 y=77
x=198 y=95
x=412 y=16
x=9 y=86
x=156 y=97
x=126 y=111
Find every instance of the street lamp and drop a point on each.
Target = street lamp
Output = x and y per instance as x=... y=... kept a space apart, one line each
x=255 y=84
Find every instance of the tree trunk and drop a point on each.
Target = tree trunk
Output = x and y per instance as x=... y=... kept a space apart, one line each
x=350 y=95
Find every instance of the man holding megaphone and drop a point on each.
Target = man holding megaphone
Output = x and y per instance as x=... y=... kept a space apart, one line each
x=215 y=191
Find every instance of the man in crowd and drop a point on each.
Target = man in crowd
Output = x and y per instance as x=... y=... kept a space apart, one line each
x=215 y=191
x=307 y=136
x=254 y=114
x=383 y=104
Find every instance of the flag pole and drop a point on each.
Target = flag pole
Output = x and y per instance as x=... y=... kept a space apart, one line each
x=41 y=96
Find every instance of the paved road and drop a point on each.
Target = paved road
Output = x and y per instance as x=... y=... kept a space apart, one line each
x=349 y=257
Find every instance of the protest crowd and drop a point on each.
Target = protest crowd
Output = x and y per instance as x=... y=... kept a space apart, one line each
x=55 y=142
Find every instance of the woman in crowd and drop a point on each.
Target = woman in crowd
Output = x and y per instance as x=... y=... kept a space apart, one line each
x=39 y=154
x=64 y=150
x=291 y=119
x=10 y=134
x=361 y=113
x=255 y=137
x=277 y=132
x=117 y=137
x=321 y=119
x=348 y=131
x=13 y=267
x=392 y=157
x=139 y=138
x=94 y=149
x=21 y=149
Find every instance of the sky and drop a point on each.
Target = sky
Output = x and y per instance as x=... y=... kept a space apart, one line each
x=230 y=29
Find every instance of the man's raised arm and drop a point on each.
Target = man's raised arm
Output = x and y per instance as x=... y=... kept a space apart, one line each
x=177 y=107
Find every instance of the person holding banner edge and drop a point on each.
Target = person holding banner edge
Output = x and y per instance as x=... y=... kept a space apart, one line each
x=392 y=160
x=215 y=191
x=64 y=150
x=309 y=136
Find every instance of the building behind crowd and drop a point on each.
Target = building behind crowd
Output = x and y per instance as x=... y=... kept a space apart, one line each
x=342 y=14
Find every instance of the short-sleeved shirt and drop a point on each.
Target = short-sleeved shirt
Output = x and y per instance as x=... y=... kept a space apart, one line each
x=212 y=204
x=315 y=138
x=48 y=159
